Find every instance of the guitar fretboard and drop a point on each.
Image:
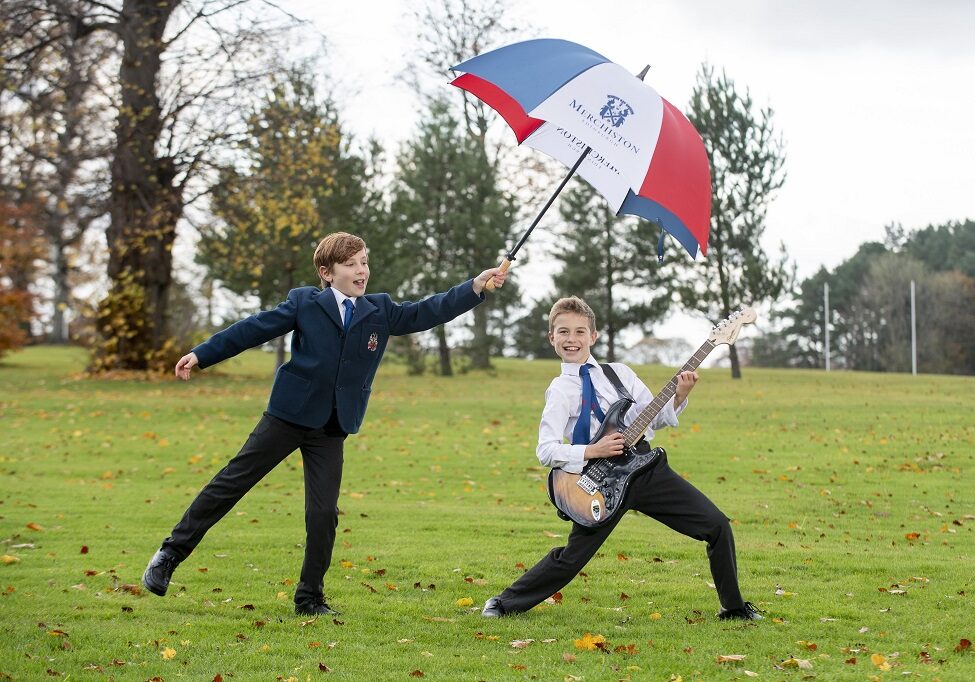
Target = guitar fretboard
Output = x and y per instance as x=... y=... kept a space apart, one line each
x=633 y=432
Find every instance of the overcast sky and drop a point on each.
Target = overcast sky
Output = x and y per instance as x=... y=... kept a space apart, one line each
x=874 y=98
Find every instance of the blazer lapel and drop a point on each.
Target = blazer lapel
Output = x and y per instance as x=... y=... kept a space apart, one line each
x=326 y=299
x=363 y=308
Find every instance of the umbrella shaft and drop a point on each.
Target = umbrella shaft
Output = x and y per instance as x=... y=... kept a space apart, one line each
x=551 y=199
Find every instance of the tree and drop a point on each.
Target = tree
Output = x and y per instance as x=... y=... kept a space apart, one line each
x=747 y=159
x=451 y=31
x=55 y=137
x=604 y=261
x=21 y=250
x=450 y=215
x=183 y=70
x=295 y=180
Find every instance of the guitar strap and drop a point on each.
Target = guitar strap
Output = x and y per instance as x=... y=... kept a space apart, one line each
x=615 y=380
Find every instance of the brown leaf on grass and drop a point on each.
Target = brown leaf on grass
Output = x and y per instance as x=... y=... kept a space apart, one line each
x=518 y=666
x=800 y=663
x=84 y=549
x=628 y=649
x=259 y=624
x=336 y=621
x=912 y=536
x=851 y=661
x=134 y=590
x=324 y=668
x=203 y=569
x=218 y=678
x=34 y=526
x=807 y=645
x=963 y=645
x=731 y=658
x=521 y=643
x=555 y=598
x=369 y=587
x=622 y=557
x=624 y=596
x=416 y=673
x=688 y=650
x=247 y=607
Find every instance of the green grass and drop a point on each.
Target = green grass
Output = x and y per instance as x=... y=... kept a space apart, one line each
x=853 y=518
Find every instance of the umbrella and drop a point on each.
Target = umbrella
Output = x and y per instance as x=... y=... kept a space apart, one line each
x=634 y=147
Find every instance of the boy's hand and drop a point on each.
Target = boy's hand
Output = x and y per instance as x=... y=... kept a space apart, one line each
x=185 y=364
x=610 y=445
x=493 y=274
x=685 y=382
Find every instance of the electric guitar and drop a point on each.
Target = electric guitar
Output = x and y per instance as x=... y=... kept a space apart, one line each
x=595 y=497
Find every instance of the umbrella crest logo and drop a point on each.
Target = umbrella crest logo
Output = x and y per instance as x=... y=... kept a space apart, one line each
x=615 y=110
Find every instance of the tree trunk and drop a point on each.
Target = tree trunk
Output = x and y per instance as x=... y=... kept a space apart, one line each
x=445 y=369
x=145 y=203
x=735 y=365
x=481 y=345
x=59 y=325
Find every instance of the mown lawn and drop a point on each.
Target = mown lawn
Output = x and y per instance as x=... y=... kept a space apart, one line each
x=851 y=496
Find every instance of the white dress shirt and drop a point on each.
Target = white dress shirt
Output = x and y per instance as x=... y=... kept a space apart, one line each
x=339 y=298
x=563 y=403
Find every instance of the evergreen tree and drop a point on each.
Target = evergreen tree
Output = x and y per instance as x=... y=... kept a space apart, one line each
x=747 y=159
x=451 y=219
x=296 y=181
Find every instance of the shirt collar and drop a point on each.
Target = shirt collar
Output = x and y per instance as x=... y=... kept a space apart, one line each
x=572 y=368
x=340 y=297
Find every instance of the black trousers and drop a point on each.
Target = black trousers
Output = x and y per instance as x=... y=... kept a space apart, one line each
x=661 y=494
x=271 y=441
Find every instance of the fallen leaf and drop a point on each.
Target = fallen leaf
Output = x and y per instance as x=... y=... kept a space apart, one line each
x=416 y=673
x=807 y=645
x=568 y=658
x=7 y=559
x=800 y=663
x=963 y=645
x=880 y=661
x=521 y=643
x=749 y=673
x=465 y=601
x=168 y=653
x=655 y=616
x=34 y=526
x=731 y=658
x=590 y=642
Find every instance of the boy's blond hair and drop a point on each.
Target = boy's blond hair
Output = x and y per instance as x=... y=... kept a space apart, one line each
x=571 y=304
x=335 y=248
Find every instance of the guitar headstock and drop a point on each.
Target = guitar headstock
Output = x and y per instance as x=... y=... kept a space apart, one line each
x=727 y=330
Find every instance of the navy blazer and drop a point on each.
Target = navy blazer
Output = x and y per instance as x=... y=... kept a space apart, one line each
x=327 y=369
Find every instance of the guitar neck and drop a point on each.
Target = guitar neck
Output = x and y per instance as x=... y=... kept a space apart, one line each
x=635 y=431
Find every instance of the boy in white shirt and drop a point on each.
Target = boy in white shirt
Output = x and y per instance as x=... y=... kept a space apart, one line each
x=658 y=492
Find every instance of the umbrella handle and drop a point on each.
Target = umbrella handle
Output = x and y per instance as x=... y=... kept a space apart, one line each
x=505 y=264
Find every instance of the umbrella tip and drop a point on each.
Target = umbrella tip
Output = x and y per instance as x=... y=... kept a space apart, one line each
x=643 y=73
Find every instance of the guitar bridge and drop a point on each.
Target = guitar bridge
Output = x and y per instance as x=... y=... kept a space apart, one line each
x=587 y=484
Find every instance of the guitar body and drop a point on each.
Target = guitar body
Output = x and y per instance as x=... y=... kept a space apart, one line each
x=595 y=497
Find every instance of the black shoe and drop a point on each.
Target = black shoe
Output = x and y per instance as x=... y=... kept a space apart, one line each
x=159 y=571
x=493 y=608
x=746 y=612
x=315 y=608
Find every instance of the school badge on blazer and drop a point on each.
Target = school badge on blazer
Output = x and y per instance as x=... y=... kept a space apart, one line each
x=373 y=341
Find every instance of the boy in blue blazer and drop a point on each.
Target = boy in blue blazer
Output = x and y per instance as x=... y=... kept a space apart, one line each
x=319 y=397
